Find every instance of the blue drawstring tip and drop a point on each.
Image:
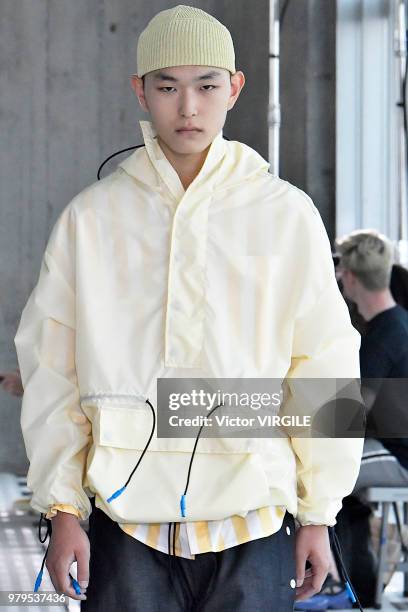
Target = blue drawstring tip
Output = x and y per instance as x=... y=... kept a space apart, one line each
x=350 y=592
x=76 y=586
x=38 y=581
x=116 y=494
x=183 y=505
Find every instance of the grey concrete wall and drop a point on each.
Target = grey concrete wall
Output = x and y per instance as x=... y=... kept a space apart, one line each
x=308 y=95
x=65 y=105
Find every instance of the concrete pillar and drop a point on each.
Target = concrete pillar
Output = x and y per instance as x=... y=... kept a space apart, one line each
x=308 y=97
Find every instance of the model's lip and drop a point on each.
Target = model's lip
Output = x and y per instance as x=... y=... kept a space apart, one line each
x=189 y=130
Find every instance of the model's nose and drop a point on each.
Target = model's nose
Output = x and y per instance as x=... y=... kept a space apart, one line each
x=188 y=106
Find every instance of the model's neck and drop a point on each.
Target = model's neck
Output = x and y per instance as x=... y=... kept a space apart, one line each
x=187 y=166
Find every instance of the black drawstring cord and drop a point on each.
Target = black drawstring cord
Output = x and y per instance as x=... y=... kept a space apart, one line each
x=47 y=534
x=113 y=155
x=183 y=497
x=49 y=528
x=341 y=567
x=120 y=491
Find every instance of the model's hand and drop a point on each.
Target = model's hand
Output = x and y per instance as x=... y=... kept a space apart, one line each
x=313 y=545
x=11 y=382
x=69 y=543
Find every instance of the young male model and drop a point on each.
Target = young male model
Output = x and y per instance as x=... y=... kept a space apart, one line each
x=189 y=260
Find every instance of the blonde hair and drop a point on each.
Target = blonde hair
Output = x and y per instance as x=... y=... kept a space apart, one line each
x=369 y=255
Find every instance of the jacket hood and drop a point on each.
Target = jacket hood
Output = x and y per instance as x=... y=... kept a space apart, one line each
x=233 y=162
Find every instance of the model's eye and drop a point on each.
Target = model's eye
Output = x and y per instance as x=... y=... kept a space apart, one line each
x=165 y=89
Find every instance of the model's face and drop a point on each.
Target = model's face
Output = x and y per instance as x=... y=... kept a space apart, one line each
x=188 y=96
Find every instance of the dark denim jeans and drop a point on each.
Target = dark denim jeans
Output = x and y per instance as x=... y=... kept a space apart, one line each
x=130 y=576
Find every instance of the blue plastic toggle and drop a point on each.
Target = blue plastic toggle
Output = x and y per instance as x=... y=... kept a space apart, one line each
x=183 y=505
x=38 y=581
x=350 y=592
x=116 y=494
x=76 y=586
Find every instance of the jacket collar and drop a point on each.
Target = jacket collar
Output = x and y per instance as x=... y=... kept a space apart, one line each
x=160 y=163
x=228 y=163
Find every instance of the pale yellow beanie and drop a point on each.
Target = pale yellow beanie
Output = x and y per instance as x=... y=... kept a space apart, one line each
x=184 y=36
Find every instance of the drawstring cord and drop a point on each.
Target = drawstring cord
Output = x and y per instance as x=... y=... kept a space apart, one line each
x=47 y=534
x=337 y=551
x=120 y=491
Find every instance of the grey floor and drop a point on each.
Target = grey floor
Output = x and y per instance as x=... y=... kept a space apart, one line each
x=21 y=553
x=392 y=598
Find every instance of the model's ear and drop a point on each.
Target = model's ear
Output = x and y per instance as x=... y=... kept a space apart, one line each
x=237 y=83
x=137 y=85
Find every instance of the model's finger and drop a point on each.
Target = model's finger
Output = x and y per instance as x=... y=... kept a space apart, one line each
x=300 y=568
x=82 y=557
x=319 y=575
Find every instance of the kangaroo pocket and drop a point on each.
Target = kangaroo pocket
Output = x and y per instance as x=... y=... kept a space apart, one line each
x=225 y=478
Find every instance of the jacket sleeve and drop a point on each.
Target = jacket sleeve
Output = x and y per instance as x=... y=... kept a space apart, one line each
x=62 y=508
x=56 y=431
x=325 y=345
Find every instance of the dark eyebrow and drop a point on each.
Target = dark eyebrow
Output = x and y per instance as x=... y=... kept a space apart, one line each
x=162 y=76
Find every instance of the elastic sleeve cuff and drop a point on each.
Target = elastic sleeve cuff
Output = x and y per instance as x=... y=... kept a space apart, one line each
x=62 y=508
